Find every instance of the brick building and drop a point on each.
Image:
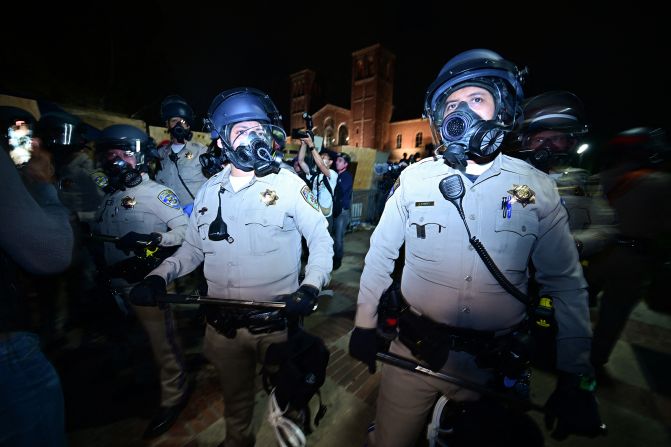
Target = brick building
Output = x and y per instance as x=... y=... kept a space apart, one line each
x=367 y=123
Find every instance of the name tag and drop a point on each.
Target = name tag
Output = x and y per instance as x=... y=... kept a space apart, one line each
x=423 y=203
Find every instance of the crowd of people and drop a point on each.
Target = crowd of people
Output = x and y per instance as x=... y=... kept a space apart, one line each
x=497 y=231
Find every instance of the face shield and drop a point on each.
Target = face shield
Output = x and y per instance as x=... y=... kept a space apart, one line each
x=468 y=119
x=248 y=126
x=121 y=162
x=250 y=144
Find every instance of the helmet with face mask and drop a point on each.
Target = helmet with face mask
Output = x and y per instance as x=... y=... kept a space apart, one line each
x=135 y=143
x=175 y=106
x=554 y=124
x=255 y=145
x=60 y=132
x=463 y=133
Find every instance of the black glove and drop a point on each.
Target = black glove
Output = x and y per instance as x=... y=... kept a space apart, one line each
x=575 y=408
x=146 y=291
x=302 y=302
x=132 y=241
x=363 y=346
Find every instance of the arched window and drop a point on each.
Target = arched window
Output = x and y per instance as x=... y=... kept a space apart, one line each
x=399 y=141
x=343 y=135
x=418 y=139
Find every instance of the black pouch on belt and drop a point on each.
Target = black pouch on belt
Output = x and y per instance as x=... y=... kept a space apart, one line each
x=424 y=339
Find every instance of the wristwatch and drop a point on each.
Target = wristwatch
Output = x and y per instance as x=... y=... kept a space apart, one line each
x=587 y=383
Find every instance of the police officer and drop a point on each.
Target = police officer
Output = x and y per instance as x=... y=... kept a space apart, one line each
x=638 y=188
x=62 y=134
x=450 y=291
x=144 y=215
x=246 y=227
x=553 y=129
x=180 y=170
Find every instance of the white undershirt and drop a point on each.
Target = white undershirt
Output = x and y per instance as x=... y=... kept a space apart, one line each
x=476 y=169
x=177 y=147
x=239 y=182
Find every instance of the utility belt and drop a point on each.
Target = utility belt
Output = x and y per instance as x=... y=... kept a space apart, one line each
x=432 y=342
x=227 y=320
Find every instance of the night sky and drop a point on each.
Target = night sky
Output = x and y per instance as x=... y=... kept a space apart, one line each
x=127 y=57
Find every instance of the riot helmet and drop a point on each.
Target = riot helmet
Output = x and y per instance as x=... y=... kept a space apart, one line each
x=175 y=106
x=248 y=128
x=460 y=132
x=553 y=127
x=123 y=150
x=60 y=132
x=17 y=127
x=637 y=147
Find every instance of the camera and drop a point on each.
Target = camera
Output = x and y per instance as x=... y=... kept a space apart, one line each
x=298 y=134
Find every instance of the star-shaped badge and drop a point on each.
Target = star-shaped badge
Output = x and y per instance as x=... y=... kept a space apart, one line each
x=269 y=197
x=128 y=202
x=522 y=194
x=188 y=155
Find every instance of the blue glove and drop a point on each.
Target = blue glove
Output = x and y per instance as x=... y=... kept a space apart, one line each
x=133 y=241
x=574 y=407
x=363 y=346
x=302 y=302
x=146 y=291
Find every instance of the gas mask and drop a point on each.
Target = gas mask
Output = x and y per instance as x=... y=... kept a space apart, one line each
x=180 y=133
x=550 y=152
x=121 y=174
x=464 y=131
x=254 y=149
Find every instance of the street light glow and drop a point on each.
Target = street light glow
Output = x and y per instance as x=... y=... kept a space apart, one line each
x=583 y=148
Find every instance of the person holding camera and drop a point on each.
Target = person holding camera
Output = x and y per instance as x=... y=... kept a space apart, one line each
x=246 y=228
x=324 y=180
x=181 y=169
x=471 y=219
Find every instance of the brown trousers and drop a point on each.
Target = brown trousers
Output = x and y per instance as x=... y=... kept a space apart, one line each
x=236 y=360
x=160 y=327
x=406 y=398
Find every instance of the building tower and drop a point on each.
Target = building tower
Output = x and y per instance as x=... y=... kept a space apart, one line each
x=372 y=93
x=302 y=87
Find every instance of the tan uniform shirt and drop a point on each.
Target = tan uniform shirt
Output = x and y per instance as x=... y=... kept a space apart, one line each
x=146 y=208
x=445 y=279
x=266 y=219
x=187 y=166
x=591 y=220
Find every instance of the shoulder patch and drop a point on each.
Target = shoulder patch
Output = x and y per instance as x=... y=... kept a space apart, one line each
x=309 y=197
x=100 y=179
x=169 y=198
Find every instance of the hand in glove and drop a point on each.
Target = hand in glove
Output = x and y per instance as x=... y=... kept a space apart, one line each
x=146 y=291
x=302 y=302
x=363 y=346
x=133 y=241
x=574 y=407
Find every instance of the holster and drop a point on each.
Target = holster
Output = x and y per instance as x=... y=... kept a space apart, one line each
x=228 y=320
x=431 y=342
